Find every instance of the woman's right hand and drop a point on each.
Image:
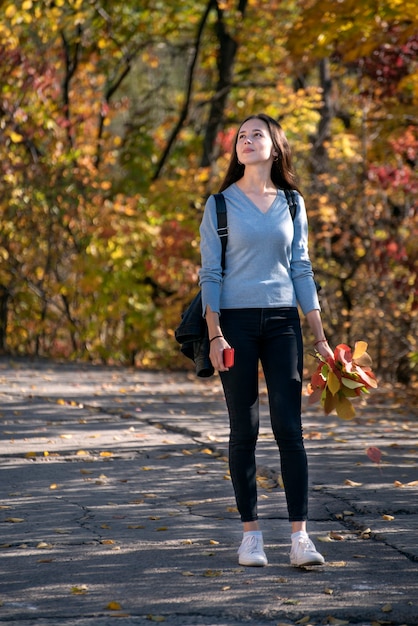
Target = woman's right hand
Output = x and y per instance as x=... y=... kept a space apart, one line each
x=216 y=353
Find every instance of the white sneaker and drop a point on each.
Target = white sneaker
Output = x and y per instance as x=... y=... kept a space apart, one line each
x=303 y=552
x=251 y=551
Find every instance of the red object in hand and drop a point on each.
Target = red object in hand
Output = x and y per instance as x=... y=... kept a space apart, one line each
x=229 y=357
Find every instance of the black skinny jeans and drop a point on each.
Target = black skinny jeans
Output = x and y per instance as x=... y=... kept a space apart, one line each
x=273 y=337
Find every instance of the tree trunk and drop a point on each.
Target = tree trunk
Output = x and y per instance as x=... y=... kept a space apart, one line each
x=226 y=58
x=4 y=299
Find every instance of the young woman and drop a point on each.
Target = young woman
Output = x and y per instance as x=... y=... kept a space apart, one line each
x=253 y=308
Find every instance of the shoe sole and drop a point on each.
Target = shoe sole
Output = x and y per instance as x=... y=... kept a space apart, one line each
x=252 y=564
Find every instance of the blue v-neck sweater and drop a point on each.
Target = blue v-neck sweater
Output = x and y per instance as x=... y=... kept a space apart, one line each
x=267 y=261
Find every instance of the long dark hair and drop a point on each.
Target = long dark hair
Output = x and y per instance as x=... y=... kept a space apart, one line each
x=282 y=172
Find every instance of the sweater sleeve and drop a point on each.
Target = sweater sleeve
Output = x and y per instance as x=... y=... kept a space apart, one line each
x=210 y=274
x=300 y=265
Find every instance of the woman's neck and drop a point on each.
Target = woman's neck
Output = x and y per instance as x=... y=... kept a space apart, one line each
x=256 y=181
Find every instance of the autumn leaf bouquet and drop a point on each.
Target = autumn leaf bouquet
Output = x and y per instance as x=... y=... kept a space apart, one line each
x=339 y=379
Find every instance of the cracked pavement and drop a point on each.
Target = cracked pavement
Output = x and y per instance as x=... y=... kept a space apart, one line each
x=116 y=506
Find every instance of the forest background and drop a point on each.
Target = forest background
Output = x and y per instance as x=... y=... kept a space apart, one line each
x=116 y=122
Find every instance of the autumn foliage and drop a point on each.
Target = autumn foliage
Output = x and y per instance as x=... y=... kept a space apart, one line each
x=336 y=380
x=116 y=122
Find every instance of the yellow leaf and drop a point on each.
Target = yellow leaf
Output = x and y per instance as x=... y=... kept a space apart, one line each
x=344 y=408
x=43 y=546
x=30 y=455
x=60 y=401
x=79 y=590
x=14 y=520
x=360 y=347
x=10 y=11
x=388 y=518
x=113 y=606
x=106 y=453
x=328 y=591
x=333 y=383
x=53 y=486
x=16 y=137
x=212 y=573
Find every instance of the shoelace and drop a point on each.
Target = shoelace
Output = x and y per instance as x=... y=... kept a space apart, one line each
x=306 y=544
x=251 y=544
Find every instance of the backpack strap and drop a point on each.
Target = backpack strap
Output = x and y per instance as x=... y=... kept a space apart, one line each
x=291 y=201
x=222 y=223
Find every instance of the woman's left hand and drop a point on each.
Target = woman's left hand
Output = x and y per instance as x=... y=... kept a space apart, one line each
x=324 y=350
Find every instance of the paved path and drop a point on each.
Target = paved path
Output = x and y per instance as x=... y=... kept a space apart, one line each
x=116 y=507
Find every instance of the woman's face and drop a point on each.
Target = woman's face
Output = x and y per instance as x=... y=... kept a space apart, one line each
x=254 y=143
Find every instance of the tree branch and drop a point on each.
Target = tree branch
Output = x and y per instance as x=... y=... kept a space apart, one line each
x=184 y=112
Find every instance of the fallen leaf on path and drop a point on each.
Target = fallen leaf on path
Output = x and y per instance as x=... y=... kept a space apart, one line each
x=388 y=518
x=212 y=573
x=387 y=608
x=79 y=590
x=351 y=483
x=374 y=454
x=336 y=536
x=113 y=606
x=14 y=520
